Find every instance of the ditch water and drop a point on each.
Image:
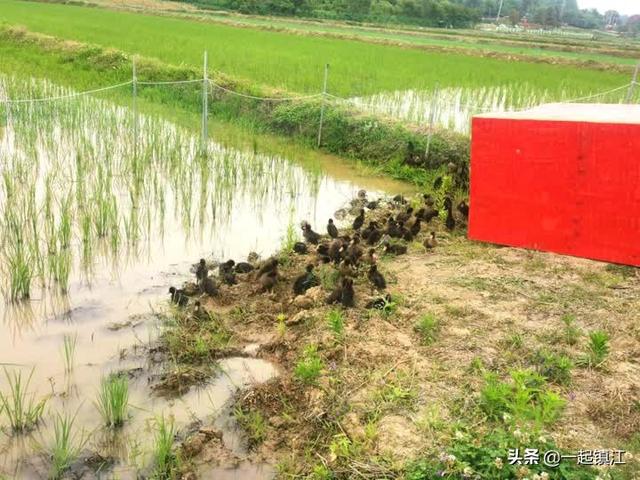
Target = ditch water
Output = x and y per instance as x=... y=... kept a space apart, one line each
x=101 y=213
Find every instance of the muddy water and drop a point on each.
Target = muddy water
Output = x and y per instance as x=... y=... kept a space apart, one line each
x=110 y=299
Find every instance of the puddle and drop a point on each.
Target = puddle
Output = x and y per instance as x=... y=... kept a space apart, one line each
x=116 y=229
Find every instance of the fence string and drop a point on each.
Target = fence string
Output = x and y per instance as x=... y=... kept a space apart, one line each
x=271 y=99
x=66 y=97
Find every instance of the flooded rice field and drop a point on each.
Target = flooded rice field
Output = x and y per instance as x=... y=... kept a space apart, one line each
x=101 y=212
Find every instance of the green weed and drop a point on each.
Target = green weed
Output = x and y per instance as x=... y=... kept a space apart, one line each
x=597 y=350
x=427 y=327
x=113 y=400
x=253 y=423
x=554 y=367
x=309 y=367
x=165 y=459
x=335 y=320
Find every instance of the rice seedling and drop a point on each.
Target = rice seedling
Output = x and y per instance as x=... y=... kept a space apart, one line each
x=253 y=423
x=113 y=400
x=69 y=343
x=20 y=406
x=165 y=459
x=66 y=445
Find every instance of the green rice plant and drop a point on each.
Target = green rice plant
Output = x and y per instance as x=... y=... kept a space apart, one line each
x=113 y=400
x=165 y=459
x=20 y=407
x=427 y=327
x=69 y=343
x=335 y=320
x=66 y=445
x=18 y=260
x=524 y=398
x=571 y=333
x=597 y=350
x=253 y=423
x=309 y=366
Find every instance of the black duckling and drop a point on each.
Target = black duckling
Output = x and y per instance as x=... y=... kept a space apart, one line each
x=429 y=214
x=202 y=271
x=407 y=236
x=332 y=230
x=210 y=287
x=354 y=251
x=372 y=205
x=359 y=220
x=394 y=249
x=431 y=241
x=399 y=199
x=270 y=264
x=325 y=259
x=309 y=235
x=403 y=217
x=376 y=278
x=370 y=257
x=404 y=231
x=365 y=233
x=305 y=281
x=450 y=222
x=463 y=208
x=379 y=302
x=336 y=250
x=374 y=236
x=200 y=313
x=226 y=272
x=300 y=248
x=415 y=227
x=347 y=269
x=244 y=267
x=323 y=249
x=437 y=183
x=268 y=281
x=343 y=293
x=428 y=200
x=178 y=297
x=392 y=229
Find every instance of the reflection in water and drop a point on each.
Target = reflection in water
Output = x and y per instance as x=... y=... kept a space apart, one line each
x=99 y=217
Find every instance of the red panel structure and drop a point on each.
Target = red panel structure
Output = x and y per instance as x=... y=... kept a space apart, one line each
x=559 y=178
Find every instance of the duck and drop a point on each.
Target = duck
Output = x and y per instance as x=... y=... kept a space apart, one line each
x=178 y=297
x=399 y=199
x=270 y=264
x=373 y=204
x=370 y=258
x=428 y=200
x=202 y=271
x=354 y=251
x=359 y=220
x=404 y=231
x=300 y=248
x=394 y=249
x=336 y=250
x=450 y=222
x=437 y=183
x=343 y=293
x=244 y=267
x=268 y=281
x=376 y=278
x=332 y=230
x=415 y=227
x=392 y=228
x=429 y=214
x=309 y=235
x=199 y=312
x=305 y=281
x=431 y=241
x=346 y=268
x=365 y=233
x=463 y=208
x=403 y=217
x=374 y=236
x=226 y=272
x=210 y=287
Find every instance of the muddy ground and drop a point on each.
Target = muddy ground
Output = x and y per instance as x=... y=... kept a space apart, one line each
x=387 y=392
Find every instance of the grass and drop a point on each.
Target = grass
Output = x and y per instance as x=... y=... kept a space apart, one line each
x=69 y=343
x=165 y=459
x=253 y=423
x=427 y=327
x=556 y=368
x=19 y=405
x=335 y=320
x=292 y=62
x=66 y=445
x=113 y=400
x=597 y=350
x=309 y=366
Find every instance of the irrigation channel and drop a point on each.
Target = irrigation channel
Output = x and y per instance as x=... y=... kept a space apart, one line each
x=99 y=216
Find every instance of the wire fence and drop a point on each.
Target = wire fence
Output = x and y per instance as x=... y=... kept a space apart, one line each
x=209 y=86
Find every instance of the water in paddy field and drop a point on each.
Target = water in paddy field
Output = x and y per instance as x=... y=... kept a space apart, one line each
x=99 y=216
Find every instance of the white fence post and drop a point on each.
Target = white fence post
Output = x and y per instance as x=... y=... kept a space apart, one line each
x=324 y=102
x=205 y=106
x=634 y=81
x=432 y=119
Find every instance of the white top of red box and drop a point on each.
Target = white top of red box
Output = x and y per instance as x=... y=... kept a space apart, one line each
x=575 y=112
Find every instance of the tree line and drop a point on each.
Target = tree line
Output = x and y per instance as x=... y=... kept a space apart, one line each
x=432 y=13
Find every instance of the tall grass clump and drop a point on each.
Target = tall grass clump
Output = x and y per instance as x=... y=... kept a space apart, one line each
x=597 y=349
x=427 y=327
x=165 y=460
x=66 y=445
x=19 y=406
x=335 y=319
x=309 y=367
x=113 y=400
x=69 y=343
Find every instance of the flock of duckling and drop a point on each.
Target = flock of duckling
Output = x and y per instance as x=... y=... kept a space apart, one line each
x=351 y=254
